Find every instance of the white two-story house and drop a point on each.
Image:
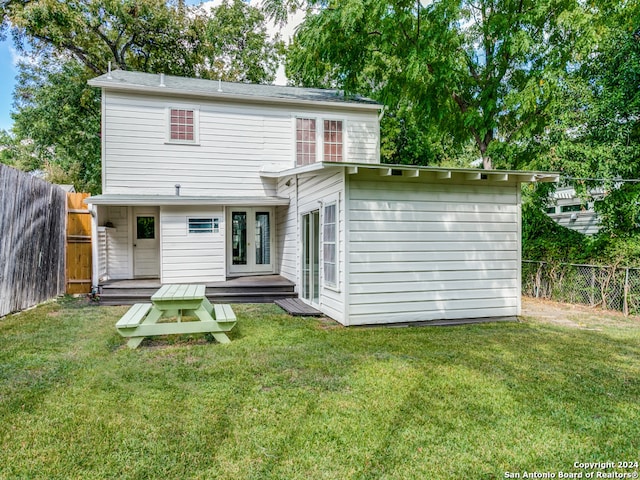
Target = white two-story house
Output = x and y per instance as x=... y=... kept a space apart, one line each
x=205 y=181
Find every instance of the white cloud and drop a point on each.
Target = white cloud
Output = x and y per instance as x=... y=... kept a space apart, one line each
x=17 y=57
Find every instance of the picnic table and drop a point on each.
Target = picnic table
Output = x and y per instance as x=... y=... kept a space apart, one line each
x=176 y=301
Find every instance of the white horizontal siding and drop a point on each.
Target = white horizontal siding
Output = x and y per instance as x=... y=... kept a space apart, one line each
x=287 y=244
x=235 y=142
x=423 y=251
x=119 y=263
x=312 y=192
x=307 y=195
x=188 y=258
x=363 y=134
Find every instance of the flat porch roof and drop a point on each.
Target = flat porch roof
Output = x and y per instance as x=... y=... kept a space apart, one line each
x=162 y=200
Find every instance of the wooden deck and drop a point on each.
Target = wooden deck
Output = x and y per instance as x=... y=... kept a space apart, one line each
x=252 y=289
x=297 y=308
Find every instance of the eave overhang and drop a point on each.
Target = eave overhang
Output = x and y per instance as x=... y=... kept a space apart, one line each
x=108 y=85
x=177 y=200
x=412 y=171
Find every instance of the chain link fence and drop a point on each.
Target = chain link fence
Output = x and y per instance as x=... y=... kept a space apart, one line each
x=610 y=288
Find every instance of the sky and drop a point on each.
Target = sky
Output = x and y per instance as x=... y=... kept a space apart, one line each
x=9 y=57
x=8 y=73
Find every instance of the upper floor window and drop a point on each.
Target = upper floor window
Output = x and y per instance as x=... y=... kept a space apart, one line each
x=305 y=141
x=309 y=132
x=182 y=125
x=332 y=140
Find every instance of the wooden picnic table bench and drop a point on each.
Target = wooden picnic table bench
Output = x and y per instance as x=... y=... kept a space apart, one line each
x=143 y=319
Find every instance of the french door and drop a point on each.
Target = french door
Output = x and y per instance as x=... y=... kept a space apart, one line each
x=251 y=239
x=311 y=257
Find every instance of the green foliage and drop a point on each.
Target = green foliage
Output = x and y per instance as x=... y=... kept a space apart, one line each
x=17 y=153
x=60 y=114
x=144 y=35
x=595 y=127
x=473 y=70
x=545 y=240
x=237 y=47
x=57 y=117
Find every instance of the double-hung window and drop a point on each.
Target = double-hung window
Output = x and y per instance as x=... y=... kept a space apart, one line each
x=310 y=133
x=305 y=141
x=183 y=125
x=332 y=140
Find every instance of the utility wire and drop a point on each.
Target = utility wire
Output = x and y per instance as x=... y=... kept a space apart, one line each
x=616 y=180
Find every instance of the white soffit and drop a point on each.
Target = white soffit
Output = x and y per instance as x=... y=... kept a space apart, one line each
x=436 y=173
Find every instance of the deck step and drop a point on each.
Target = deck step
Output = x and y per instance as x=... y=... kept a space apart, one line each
x=297 y=308
x=245 y=290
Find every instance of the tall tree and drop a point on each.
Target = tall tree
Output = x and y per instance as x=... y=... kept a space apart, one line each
x=237 y=46
x=597 y=130
x=145 y=35
x=58 y=116
x=479 y=70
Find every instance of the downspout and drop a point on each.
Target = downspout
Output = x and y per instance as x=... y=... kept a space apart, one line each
x=95 y=250
x=299 y=240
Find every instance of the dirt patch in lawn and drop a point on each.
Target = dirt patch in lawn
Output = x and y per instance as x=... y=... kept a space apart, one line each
x=576 y=316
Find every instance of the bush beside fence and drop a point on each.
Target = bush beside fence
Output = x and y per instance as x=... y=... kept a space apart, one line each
x=607 y=287
x=32 y=240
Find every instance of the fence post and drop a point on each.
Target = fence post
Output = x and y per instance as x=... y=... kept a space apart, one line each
x=625 y=304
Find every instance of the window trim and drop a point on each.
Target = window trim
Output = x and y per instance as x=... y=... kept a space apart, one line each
x=342 y=140
x=196 y=125
x=319 y=137
x=333 y=200
x=213 y=230
x=295 y=138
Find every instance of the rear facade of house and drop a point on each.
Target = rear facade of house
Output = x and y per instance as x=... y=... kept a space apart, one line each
x=206 y=181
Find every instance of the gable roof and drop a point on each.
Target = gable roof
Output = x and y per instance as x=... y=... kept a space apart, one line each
x=183 y=86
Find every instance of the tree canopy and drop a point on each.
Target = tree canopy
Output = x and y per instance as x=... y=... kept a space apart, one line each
x=484 y=71
x=57 y=116
x=524 y=84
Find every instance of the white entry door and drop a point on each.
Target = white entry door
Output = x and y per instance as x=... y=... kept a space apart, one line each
x=146 y=242
x=250 y=240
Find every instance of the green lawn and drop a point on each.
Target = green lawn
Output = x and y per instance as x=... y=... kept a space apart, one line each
x=295 y=398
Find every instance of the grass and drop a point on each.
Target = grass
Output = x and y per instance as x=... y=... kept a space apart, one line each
x=295 y=398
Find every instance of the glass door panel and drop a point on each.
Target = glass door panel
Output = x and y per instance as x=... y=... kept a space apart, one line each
x=239 y=238
x=146 y=243
x=306 y=257
x=250 y=241
x=311 y=257
x=263 y=236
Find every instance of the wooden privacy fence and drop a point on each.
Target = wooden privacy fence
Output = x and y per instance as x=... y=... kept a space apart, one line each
x=32 y=240
x=78 y=244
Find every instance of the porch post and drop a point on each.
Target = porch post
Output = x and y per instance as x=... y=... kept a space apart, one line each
x=95 y=249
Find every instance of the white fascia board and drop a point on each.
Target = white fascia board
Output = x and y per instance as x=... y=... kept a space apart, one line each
x=414 y=171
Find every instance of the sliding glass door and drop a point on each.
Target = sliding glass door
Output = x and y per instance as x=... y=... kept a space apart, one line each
x=311 y=257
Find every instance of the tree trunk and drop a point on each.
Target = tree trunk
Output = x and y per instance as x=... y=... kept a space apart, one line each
x=483 y=146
